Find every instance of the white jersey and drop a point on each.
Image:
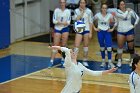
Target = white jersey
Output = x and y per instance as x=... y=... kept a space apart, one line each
x=103 y=21
x=74 y=73
x=125 y=20
x=87 y=17
x=134 y=82
x=112 y=10
x=61 y=16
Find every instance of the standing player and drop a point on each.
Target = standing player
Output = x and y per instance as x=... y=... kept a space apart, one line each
x=61 y=19
x=134 y=78
x=125 y=30
x=104 y=33
x=85 y=15
x=75 y=71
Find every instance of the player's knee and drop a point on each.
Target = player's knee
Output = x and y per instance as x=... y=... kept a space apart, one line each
x=109 y=49
x=54 y=51
x=76 y=50
x=119 y=50
x=130 y=41
x=131 y=50
x=102 y=49
x=85 y=49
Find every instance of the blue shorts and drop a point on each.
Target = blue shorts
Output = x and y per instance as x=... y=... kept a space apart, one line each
x=66 y=29
x=130 y=32
x=105 y=38
x=84 y=32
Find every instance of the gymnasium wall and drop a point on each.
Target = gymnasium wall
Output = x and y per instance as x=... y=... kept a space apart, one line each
x=38 y=12
x=4 y=24
x=30 y=17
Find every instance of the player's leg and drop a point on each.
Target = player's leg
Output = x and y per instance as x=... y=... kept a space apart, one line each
x=65 y=35
x=101 y=39
x=57 y=38
x=85 y=47
x=78 y=39
x=108 y=44
x=121 y=39
x=130 y=43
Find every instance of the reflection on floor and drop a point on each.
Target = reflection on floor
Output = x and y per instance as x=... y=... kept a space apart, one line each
x=14 y=66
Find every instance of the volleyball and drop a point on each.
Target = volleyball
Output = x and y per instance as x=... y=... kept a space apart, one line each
x=79 y=26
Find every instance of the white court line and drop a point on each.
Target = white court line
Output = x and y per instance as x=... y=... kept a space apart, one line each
x=29 y=74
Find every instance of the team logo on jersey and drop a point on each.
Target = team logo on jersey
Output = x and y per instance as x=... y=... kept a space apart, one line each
x=79 y=26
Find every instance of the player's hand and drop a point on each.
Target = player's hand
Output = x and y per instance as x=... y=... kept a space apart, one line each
x=112 y=70
x=65 y=23
x=60 y=23
x=134 y=26
x=97 y=29
x=109 y=71
x=110 y=30
x=54 y=47
x=128 y=9
x=82 y=12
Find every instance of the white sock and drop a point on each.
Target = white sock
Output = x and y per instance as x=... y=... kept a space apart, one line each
x=103 y=60
x=51 y=61
x=119 y=60
x=109 y=60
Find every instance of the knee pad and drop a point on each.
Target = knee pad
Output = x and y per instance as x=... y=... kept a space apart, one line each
x=54 y=51
x=119 y=51
x=131 y=50
x=76 y=50
x=130 y=41
x=85 y=49
x=109 y=49
x=102 y=49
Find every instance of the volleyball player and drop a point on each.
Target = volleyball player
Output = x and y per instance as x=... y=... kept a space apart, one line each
x=104 y=33
x=84 y=14
x=61 y=19
x=125 y=30
x=75 y=71
x=134 y=78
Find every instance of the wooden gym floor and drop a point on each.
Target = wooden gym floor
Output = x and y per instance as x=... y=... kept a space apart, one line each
x=52 y=80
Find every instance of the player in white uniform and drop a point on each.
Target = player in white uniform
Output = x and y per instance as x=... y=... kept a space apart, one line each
x=125 y=29
x=84 y=14
x=104 y=33
x=75 y=71
x=61 y=19
x=134 y=78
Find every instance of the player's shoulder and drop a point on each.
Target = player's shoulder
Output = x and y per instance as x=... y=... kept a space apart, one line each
x=88 y=10
x=120 y=11
x=132 y=11
x=109 y=14
x=77 y=9
x=133 y=74
x=57 y=9
x=98 y=14
x=80 y=64
x=67 y=10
